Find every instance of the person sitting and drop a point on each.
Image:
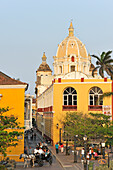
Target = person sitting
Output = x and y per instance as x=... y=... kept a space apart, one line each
x=95 y=155
x=47 y=154
x=40 y=145
x=30 y=151
x=44 y=144
x=36 y=150
x=40 y=151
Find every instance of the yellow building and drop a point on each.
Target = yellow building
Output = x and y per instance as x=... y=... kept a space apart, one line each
x=72 y=88
x=12 y=94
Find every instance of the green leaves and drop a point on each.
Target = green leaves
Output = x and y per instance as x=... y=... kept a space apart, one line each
x=104 y=64
x=93 y=125
x=8 y=137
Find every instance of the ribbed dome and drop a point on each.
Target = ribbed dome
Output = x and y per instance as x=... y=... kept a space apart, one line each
x=71 y=45
x=44 y=67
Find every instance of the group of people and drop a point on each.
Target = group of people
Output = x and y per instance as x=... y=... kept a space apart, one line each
x=41 y=148
x=91 y=153
x=59 y=147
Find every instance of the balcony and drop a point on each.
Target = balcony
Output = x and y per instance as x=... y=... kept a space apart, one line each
x=95 y=108
x=69 y=107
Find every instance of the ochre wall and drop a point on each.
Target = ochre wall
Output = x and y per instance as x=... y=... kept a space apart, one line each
x=82 y=89
x=14 y=99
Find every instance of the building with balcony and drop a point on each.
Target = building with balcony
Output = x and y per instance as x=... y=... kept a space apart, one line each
x=70 y=88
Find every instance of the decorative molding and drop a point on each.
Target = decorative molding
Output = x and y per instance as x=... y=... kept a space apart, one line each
x=84 y=83
x=12 y=86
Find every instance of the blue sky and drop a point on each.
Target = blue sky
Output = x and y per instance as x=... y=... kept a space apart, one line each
x=30 y=27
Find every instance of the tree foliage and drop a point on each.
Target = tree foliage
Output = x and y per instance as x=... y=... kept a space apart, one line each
x=8 y=131
x=93 y=125
x=104 y=64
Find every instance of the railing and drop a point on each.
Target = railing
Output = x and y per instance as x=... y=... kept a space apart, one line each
x=69 y=107
x=95 y=107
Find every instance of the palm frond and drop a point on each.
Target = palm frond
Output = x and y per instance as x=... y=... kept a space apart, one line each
x=109 y=61
x=108 y=71
x=98 y=62
x=109 y=66
x=102 y=56
x=101 y=72
x=94 y=70
x=107 y=94
x=96 y=57
x=108 y=53
x=106 y=58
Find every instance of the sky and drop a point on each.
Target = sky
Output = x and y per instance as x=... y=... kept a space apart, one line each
x=30 y=27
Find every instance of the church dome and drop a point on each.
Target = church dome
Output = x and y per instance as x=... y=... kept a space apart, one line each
x=44 y=66
x=71 y=45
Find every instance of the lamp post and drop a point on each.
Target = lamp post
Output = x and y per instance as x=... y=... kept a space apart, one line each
x=103 y=149
x=85 y=161
x=67 y=145
x=60 y=136
x=57 y=125
x=75 y=155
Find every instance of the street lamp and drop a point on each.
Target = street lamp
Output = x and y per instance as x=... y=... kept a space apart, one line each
x=85 y=161
x=75 y=155
x=57 y=125
x=103 y=149
x=67 y=144
x=60 y=136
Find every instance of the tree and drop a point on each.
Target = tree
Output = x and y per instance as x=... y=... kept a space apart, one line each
x=93 y=125
x=8 y=137
x=104 y=64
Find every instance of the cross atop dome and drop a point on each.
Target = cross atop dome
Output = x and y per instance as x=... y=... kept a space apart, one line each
x=71 y=29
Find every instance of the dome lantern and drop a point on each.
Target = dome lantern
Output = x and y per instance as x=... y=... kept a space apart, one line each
x=44 y=58
x=71 y=29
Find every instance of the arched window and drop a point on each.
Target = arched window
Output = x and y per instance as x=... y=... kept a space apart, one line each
x=94 y=98
x=70 y=99
x=60 y=69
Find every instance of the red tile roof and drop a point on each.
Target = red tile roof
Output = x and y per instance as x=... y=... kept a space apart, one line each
x=6 y=80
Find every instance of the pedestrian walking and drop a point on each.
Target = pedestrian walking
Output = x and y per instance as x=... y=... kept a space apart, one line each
x=62 y=147
x=90 y=154
x=82 y=153
x=56 y=146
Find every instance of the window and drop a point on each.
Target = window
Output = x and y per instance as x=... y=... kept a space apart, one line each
x=70 y=99
x=72 y=59
x=94 y=99
x=60 y=69
x=72 y=68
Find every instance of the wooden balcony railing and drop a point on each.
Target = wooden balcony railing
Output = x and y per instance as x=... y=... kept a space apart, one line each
x=69 y=107
x=95 y=108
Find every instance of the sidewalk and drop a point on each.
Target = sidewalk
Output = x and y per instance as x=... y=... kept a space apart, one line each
x=66 y=161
